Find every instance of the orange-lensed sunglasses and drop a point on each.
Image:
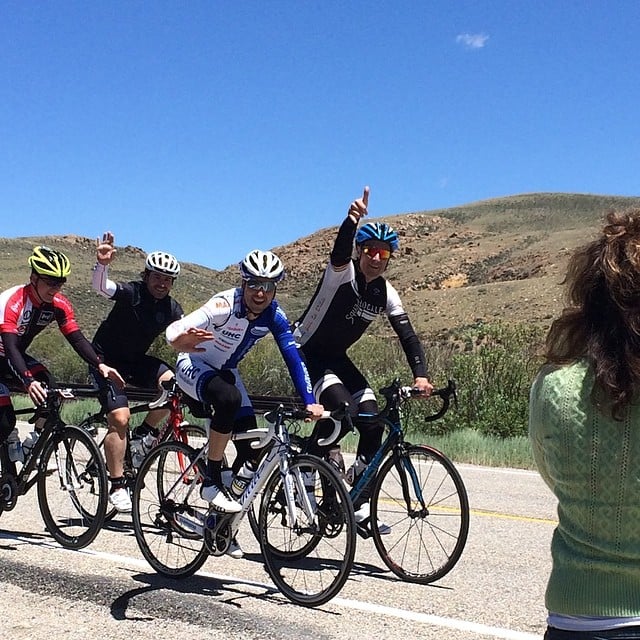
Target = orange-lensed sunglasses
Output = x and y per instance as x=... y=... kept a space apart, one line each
x=372 y=252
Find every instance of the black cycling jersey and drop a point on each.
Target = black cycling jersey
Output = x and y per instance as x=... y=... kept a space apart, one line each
x=134 y=322
x=344 y=305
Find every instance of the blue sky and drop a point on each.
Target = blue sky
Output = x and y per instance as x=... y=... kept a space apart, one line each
x=211 y=128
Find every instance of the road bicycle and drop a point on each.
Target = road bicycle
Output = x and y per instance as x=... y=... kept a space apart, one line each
x=67 y=468
x=417 y=492
x=307 y=541
x=417 y=497
x=175 y=427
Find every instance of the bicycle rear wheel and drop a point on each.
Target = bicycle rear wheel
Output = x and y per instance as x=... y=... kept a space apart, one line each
x=168 y=512
x=194 y=435
x=72 y=487
x=426 y=538
x=309 y=560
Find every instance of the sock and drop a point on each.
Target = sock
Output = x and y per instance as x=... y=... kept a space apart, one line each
x=143 y=429
x=117 y=483
x=214 y=473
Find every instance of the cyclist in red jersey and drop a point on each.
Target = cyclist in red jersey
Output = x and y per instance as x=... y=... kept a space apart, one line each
x=25 y=310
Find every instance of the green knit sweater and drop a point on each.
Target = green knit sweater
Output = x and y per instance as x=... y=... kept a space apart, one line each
x=592 y=464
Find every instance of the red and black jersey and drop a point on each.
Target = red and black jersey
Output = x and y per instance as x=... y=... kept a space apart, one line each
x=21 y=313
x=23 y=316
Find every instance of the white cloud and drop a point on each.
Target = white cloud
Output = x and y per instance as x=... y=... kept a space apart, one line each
x=472 y=40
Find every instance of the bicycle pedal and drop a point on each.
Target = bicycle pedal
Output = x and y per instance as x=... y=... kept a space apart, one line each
x=363 y=531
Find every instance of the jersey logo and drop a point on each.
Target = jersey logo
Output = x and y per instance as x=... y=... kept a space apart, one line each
x=363 y=311
x=45 y=318
x=234 y=335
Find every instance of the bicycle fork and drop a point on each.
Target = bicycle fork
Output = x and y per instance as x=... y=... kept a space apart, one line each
x=407 y=472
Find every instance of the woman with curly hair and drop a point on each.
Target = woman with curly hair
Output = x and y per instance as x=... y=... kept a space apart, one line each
x=584 y=426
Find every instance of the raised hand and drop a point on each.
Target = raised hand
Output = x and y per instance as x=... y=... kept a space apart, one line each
x=358 y=208
x=105 y=251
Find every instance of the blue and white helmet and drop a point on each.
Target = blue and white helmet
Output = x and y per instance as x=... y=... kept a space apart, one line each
x=378 y=231
x=262 y=264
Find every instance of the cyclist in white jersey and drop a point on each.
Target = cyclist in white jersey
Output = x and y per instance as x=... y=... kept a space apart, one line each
x=212 y=341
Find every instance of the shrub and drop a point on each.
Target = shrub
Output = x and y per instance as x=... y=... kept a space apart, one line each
x=493 y=366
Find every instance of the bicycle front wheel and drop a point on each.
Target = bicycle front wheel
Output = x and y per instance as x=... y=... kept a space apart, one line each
x=421 y=508
x=96 y=425
x=168 y=513
x=72 y=487
x=308 y=546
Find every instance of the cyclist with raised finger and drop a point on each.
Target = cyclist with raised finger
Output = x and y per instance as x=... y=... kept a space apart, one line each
x=351 y=293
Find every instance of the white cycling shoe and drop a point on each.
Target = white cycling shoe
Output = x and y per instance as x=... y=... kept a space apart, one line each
x=121 y=500
x=363 y=517
x=235 y=550
x=219 y=499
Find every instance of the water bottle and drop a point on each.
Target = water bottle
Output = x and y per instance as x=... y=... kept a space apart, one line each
x=335 y=458
x=354 y=471
x=137 y=452
x=15 y=447
x=242 y=479
x=148 y=442
x=29 y=442
x=227 y=478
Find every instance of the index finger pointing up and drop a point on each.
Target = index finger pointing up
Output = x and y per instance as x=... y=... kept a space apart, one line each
x=365 y=196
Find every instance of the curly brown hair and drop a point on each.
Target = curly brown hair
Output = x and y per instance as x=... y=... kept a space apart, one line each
x=602 y=319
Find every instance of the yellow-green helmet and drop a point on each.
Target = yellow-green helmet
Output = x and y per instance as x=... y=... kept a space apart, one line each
x=49 y=262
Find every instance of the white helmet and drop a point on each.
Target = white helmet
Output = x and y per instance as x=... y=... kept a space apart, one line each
x=262 y=264
x=163 y=263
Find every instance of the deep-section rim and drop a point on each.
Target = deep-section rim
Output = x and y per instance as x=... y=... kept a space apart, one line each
x=147 y=513
x=286 y=569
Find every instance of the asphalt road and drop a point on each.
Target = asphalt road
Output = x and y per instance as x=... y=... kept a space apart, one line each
x=108 y=591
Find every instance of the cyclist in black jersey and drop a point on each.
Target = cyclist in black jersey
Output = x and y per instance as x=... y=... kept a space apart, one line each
x=143 y=309
x=351 y=293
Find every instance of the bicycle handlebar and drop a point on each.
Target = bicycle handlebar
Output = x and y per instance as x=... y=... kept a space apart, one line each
x=394 y=393
x=300 y=414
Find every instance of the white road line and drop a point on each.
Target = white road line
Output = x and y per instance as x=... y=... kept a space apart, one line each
x=404 y=614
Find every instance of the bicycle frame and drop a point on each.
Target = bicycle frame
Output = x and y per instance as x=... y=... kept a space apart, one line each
x=390 y=417
x=277 y=455
x=52 y=424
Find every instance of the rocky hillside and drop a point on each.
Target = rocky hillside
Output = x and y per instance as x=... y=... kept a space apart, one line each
x=499 y=259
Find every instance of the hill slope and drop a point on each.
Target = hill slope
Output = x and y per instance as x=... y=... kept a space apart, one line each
x=502 y=258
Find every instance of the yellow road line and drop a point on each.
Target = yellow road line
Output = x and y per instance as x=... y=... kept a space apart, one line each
x=511 y=516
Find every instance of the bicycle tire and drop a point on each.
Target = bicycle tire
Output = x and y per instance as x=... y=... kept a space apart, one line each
x=97 y=426
x=423 y=545
x=328 y=536
x=194 y=435
x=72 y=487
x=165 y=505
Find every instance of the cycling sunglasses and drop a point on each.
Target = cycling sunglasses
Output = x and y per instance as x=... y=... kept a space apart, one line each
x=51 y=281
x=372 y=252
x=266 y=285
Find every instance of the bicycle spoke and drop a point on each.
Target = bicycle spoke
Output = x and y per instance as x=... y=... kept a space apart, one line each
x=308 y=553
x=423 y=502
